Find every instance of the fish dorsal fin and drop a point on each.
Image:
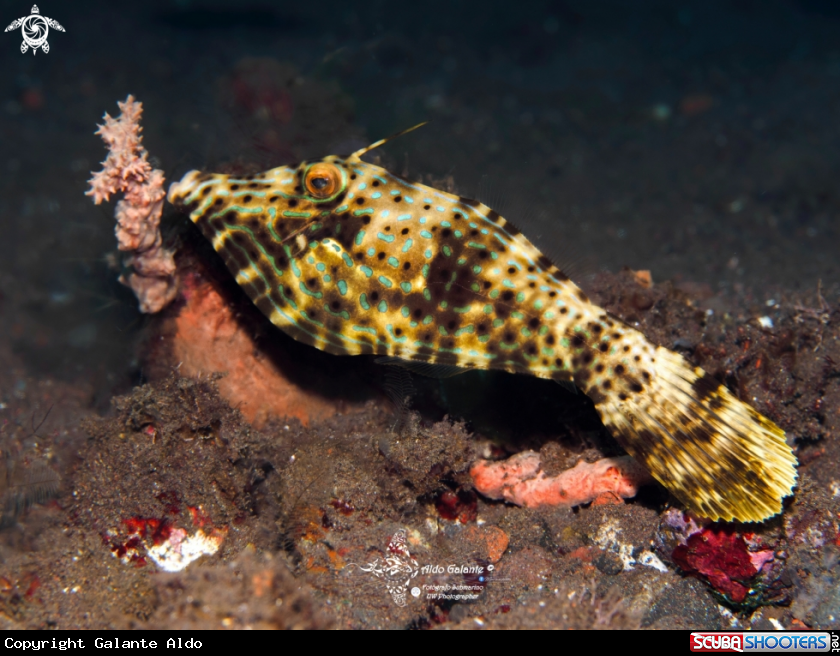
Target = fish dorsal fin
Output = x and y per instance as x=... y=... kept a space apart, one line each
x=367 y=149
x=423 y=368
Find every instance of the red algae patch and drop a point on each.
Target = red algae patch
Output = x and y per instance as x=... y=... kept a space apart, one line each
x=722 y=558
x=461 y=506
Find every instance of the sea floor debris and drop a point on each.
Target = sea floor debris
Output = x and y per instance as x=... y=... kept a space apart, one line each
x=301 y=503
x=262 y=479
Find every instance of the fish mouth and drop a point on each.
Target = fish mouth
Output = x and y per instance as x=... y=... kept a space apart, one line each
x=180 y=192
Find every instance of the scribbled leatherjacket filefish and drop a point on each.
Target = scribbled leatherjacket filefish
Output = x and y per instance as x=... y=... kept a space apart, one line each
x=352 y=259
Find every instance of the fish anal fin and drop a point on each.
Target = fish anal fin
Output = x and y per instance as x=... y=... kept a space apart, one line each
x=399 y=388
x=427 y=369
x=568 y=385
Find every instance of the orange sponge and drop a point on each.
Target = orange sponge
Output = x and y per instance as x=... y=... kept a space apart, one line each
x=519 y=480
x=207 y=337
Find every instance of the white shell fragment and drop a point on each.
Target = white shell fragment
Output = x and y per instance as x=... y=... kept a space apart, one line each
x=181 y=549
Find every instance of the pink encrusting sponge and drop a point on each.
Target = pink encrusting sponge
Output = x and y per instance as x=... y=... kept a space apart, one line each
x=520 y=480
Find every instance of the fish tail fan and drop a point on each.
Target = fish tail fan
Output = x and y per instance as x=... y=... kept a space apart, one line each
x=717 y=455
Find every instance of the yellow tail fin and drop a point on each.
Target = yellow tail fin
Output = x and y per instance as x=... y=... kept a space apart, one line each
x=717 y=455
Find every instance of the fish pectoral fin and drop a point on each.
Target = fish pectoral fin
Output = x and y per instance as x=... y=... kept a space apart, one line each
x=333 y=254
x=423 y=368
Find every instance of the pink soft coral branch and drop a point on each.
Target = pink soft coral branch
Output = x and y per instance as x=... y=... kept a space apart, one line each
x=127 y=170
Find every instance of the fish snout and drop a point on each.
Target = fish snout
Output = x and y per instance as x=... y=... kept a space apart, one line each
x=179 y=192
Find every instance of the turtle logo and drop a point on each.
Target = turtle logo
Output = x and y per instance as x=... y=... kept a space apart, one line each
x=35 y=29
x=396 y=569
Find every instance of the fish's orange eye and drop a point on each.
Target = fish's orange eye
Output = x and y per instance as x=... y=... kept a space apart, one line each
x=322 y=180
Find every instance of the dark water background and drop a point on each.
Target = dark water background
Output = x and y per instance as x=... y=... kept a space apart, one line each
x=696 y=139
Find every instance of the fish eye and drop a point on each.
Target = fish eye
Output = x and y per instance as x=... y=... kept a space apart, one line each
x=323 y=180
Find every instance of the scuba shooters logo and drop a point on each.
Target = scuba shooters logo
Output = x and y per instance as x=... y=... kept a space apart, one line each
x=717 y=642
x=756 y=641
